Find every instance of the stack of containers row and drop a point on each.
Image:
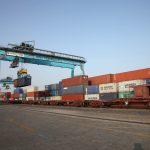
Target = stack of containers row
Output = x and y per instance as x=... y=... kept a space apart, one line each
x=121 y=85
x=31 y=92
x=74 y=88
x=127 y=81
x=92 y=92
x=106 y=89
x=54 y=91
x=5 y=96
x=19 y=94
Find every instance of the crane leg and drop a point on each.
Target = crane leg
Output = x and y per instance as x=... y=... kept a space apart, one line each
x=82 y=69
x=72 y=72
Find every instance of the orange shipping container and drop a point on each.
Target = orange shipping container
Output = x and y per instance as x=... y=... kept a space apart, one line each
x=102 y=79
x=79 y=80
x=132 y=75
x=31 y=94
x=73 y=97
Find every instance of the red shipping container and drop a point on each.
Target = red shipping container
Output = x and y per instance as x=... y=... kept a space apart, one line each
x=79 y=80
x=73 y=97
x=47 y=93
x=31 y=94
x=8 y=94
x=16 y=95
x=39 y=93
x=102 y=79
x=132 y=75
x=142 y=91
x=12 y=96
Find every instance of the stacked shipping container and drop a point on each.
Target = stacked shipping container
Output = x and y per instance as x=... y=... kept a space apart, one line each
x=132 y=75
x=108 y=91
x=121 y=85
x=54 y=90
x=74 y=88
x=106 y=87
x=31 y=92
x=92 y=92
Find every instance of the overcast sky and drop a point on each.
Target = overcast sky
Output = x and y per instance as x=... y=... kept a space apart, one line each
x=113 y=35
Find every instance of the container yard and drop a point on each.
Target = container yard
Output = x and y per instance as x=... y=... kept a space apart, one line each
x=75 y=75
x=109 y=111
x=81 y=91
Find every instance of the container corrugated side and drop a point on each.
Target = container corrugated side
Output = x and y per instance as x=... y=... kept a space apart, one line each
x=73 y=97
x=128 y=86
x=48 y=98
x=126 y=94
x=132 y=75
x=19 y=90
x=92 y=97
x=92 y=89
x=147 y=81
x=142 y=91
x=102 y=79
x=58 y=98
x=78 y=80
x=52 y=87
x=54 y=93
x=108 y=96
x=74 y=90
x=30 y=98
x=108 y=88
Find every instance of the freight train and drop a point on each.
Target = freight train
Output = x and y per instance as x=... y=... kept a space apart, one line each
x=104 y=90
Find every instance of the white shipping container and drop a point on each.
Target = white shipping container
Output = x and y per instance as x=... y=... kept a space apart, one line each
x=32 y=88
x=128 y=86
x=29 y=98
x=20 y=98
x=53 y=98
x=48 y=98
x=92 y=97
x=20 y=95
x=108 y=88
x=42 y=98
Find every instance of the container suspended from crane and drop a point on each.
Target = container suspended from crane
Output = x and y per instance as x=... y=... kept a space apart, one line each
x=23 y=79
x=26 y=53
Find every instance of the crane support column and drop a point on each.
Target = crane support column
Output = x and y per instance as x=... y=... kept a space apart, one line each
x=72 y=72
x=82 y=69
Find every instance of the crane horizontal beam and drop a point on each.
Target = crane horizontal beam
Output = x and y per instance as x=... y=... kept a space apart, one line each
x=47 y=53
x=39 y=60
x=41 y=57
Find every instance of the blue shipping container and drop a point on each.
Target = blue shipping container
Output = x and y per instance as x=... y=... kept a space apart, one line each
x=18 y=90
x=60 y=85
x=54 y=93
x=147 y=81
x=92 y=89
x=51 y=87
x=79 y=89
x=108 y=96
x=60 y=89
x=60 y=92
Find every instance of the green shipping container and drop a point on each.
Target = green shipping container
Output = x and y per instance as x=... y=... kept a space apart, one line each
x=126 y=94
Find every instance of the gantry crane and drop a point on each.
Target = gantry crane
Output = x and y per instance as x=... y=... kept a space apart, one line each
x=27 y=53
